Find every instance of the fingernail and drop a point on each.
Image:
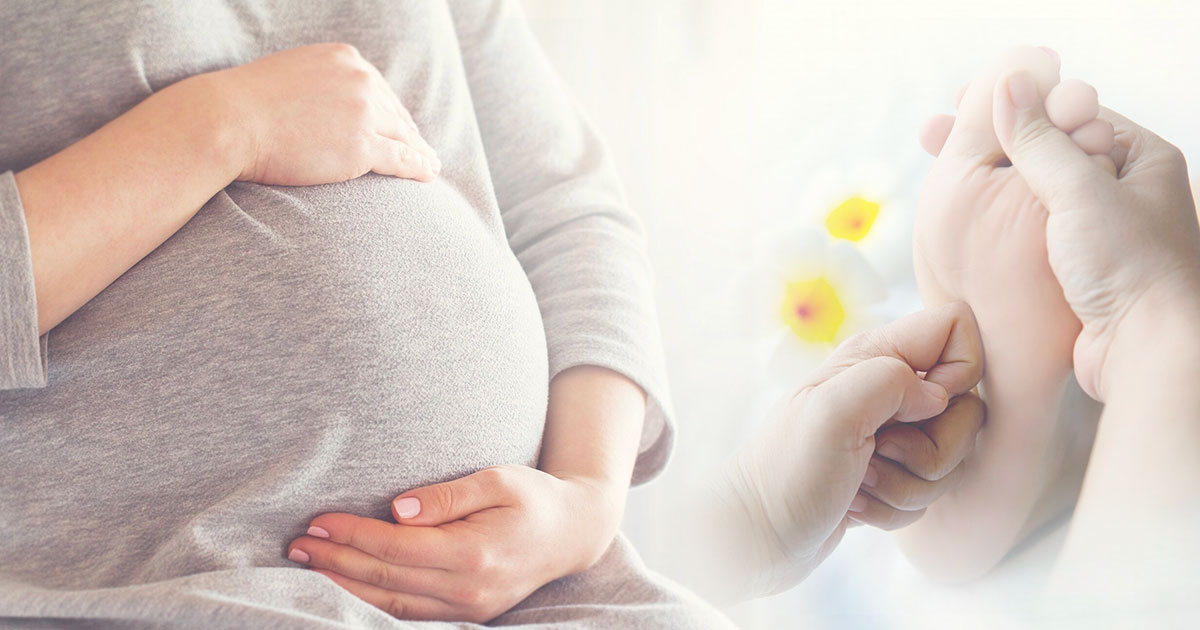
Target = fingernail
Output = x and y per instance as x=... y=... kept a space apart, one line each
x=891 y=451
x=1022 y=93
x=298 y=555
x=437 y=165
x=1053 y=54
x=407 y=507
x=933 y=390
x=318 y=532
x=871 y=477
x=858 y=504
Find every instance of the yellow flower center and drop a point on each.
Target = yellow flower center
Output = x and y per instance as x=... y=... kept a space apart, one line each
x=812 y=311
x=852 y=219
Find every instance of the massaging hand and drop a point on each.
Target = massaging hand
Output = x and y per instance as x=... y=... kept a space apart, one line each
x=1116 y=243
x=320 y=114
x=464 y=550
x=814 y=468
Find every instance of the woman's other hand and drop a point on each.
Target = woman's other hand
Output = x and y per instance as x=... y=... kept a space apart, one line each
x=467 y=549
x=320 y=114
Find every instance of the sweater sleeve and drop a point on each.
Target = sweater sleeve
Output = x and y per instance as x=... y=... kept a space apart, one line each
x=565 y=214
x=22 y=353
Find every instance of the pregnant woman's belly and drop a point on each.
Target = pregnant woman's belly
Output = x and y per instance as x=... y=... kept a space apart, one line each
x=290 y=351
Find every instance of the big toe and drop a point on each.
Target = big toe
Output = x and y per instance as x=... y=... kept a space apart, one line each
x=973 y=136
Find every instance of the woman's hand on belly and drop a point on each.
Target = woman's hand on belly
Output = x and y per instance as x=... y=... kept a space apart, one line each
x=320 y=114
x=465 y=550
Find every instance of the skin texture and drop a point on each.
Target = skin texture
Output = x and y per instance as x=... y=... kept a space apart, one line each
x=1126 y=248
x=981 y=237
x=97 y=207
x=470 y=549
x=784 y=501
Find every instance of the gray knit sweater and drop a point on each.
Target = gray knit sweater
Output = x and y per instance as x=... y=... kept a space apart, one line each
x=294 y=351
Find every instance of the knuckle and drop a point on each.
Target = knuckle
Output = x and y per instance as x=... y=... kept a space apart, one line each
x=343 y=49
x=468 y=596
x=395 y=607
x=380 y=574
x=442 y=498
x=390 y=550
x=924 y=459
x=502 y=478
x=359 y=107
x=358 y=75
x=1032 y=135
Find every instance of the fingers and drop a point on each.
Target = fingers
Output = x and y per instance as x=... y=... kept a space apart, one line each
x=395 y=123
x=901 y=490
x=453 y=500
x=933 y=133
x=399 y=605
x=397 y=158
x=1056 y=169
x=359 y=565
x=868 y=510
x=861 y=398
x=395 y=544
x=413 y=134
x=931 y=450
x=943 y=342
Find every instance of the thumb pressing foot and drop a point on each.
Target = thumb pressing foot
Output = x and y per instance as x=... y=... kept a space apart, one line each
x=1051 y=159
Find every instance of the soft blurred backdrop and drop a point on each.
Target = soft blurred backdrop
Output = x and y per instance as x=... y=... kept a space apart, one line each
x=736 y=122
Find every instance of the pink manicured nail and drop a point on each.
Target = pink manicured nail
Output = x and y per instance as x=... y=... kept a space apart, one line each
x=872 y=476
x=298 y=555
x=1022 y=93
x=407 y=507
x=318 y=532
x=891 y=451
x=858 y=504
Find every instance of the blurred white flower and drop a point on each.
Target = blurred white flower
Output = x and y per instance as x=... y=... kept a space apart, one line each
x=865 y=205
x=811 y=292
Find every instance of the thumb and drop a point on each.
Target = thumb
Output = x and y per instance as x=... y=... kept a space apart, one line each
x=866 y=395
x=1055 y=168
x=449 y=501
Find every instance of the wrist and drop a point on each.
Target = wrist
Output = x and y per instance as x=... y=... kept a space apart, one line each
x=219 y=127
x=597 y=507
x=1158 y=338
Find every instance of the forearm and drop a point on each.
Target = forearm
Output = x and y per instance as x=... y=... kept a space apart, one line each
x=96 y=208
x=593 y=426
x=1141 y=496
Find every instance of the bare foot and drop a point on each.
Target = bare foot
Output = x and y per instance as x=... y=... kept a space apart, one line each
x=981 y=237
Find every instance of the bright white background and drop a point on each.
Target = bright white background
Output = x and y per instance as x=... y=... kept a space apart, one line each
x=720 y=115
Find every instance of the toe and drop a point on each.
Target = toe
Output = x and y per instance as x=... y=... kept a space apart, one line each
x=933 y=133
x=973 y=136
x=1071 y=104
x=1096 y=137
